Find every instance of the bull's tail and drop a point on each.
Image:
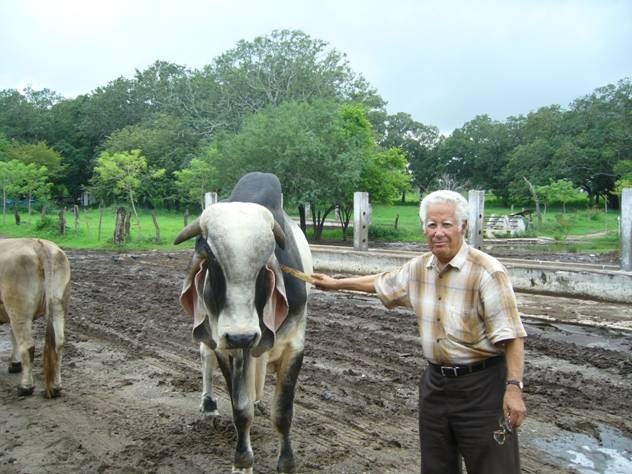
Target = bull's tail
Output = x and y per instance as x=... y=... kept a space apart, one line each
x=51 y=359
x=51 y=356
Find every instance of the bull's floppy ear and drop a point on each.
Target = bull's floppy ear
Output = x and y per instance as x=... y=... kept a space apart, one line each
x=189 y=231
x=279 y=235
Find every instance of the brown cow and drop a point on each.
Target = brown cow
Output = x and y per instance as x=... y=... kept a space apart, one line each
x=34 y=282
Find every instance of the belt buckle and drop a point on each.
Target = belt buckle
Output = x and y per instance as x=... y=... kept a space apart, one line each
x=445 y=371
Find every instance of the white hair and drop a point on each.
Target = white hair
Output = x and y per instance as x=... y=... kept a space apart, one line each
x=443 y=196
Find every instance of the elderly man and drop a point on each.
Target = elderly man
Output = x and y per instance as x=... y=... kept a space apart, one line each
x=470 y=396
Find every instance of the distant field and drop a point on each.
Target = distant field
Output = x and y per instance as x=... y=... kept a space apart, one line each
x=586 y=230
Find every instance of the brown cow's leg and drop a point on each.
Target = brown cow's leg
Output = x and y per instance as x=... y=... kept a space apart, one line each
x=15 y=365
x=22 y=331
x=58 y=311
x=283 y=407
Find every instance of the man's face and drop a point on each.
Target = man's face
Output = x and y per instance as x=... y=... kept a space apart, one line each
x=442 y=231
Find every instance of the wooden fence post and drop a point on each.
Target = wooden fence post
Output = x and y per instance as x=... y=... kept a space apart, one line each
x=626 y=229
x=476 y=201
x=16 y=213
x=75 y=210
x=62 y=221
x=119 y=227
x=361 y=219
x=210 y=198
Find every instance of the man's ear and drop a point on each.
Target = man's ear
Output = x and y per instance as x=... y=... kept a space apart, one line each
x=464 y=226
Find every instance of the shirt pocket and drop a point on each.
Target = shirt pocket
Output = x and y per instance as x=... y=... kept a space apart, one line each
x=463 y=326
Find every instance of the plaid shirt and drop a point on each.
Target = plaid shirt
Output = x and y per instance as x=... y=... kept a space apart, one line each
x=462 y=311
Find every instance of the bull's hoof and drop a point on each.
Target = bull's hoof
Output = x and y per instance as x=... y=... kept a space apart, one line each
x=286 y=464
x=209 y=406
x=241 y=470
x=25 y=392
x=243 y=462
x=15 y=367
x=54 y=392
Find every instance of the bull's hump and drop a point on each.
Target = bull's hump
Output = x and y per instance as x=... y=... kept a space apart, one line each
x=260 y=188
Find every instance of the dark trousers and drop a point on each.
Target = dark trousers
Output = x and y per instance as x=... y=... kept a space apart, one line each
x=459 y=415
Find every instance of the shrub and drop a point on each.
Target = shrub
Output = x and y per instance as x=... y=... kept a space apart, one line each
x=384 y=233
x=46 y=224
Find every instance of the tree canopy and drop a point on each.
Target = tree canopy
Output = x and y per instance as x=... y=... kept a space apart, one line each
x=289 y=103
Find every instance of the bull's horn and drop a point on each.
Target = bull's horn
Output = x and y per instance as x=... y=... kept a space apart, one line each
x=189 y=231
x=279 y=235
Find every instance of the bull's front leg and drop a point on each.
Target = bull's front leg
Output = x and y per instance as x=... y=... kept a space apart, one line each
x=243 y=410
x=283 y=407
x=209 y=404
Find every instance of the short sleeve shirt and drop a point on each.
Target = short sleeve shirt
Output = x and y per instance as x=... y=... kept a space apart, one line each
x=463 y=312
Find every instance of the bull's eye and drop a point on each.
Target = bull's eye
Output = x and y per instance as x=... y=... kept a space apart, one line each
x=261 y=290
x=215 y=289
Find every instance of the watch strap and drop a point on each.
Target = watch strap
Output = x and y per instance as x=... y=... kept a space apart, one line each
x=517 y=383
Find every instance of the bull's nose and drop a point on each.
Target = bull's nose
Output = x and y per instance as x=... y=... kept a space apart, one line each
x=240 y=341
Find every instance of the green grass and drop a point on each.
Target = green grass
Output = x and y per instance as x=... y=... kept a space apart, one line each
x=578 y=230
x=85 y=235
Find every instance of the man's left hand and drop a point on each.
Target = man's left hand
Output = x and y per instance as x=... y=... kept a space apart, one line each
x=513 y=406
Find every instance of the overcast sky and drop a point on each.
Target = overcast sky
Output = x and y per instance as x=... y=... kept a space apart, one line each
x=443 y=62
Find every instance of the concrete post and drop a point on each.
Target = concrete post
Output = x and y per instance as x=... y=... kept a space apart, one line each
x=626 y=229
x=209 y=198
x=475 y=220
x=361 y=219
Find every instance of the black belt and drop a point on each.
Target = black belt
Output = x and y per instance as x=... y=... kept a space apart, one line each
x=457 y=370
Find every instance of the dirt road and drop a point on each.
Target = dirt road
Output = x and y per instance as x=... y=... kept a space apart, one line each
x=131 y=385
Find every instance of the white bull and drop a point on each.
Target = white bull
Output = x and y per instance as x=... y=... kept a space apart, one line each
x=246 y=312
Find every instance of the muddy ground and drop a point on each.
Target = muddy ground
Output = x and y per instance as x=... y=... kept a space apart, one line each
x=131 y=385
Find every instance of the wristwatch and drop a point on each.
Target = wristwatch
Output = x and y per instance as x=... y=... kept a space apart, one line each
x=517 y=383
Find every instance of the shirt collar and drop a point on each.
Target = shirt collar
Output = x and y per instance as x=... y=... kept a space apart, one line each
x=457 y=261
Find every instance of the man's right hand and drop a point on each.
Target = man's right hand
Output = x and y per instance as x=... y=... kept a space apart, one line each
x=323 y=282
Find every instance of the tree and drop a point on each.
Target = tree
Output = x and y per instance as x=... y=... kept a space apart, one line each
x=199 y=177
x=35 y=183
x=318 y=150
x=623 y=170
x=5 y=145
x=25 y=116
x=416 y=141
x=601 y=126
x=121 y=172
x=165 y=143
x=478 y=153
x=562 y=190
x=39 y=154
x=286 y=65
x=12 y=175
x=534 y=162
x=385 y=176
x=159 y=88
x=536 y=200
